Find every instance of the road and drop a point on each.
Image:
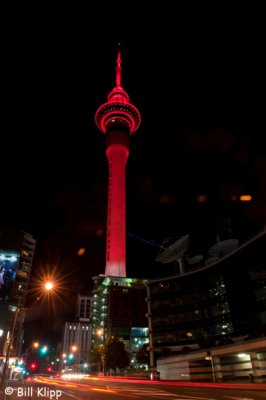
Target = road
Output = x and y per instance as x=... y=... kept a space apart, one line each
x=124 y=389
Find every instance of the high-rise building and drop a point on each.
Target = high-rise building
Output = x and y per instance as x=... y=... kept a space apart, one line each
x=117 y=119
x=119 y=309
x=83 y=308
x=16 y=258
x=77 y=336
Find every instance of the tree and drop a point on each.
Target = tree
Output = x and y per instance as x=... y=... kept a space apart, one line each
x=143 y=355
x=97 y=355
x=115 y=354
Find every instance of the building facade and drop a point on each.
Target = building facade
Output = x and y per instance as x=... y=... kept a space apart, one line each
x=16 y=258
x=83 y=309
x=216 y=305
x=119 y=309
x=76 y=347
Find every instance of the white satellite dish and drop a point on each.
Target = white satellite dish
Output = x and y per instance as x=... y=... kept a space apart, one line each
x=223 y=247
x=174 y=252
x=195 y=259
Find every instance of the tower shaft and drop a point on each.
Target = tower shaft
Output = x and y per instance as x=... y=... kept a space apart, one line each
x=117 y=151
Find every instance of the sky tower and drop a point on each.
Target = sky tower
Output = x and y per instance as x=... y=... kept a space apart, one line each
x=117 y=119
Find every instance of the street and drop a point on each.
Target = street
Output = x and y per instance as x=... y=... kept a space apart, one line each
x=90 y=388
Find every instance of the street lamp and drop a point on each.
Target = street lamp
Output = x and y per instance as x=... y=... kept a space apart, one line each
x=49 y=286
x=100 y=334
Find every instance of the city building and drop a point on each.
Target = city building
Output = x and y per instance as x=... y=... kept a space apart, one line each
x=119 y=309
x=16 y=258
x=76 y=347
x=83 y=308
x=210 y=322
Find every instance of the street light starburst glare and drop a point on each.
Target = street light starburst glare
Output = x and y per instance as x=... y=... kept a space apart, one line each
x=51 y=285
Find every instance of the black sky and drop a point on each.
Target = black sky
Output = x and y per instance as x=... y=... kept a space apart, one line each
x=198 y=78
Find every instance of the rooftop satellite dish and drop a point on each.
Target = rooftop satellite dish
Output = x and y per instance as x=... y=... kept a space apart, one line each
x=211 y=260
x=174 y=252
x=223 y=247
x=195 y=259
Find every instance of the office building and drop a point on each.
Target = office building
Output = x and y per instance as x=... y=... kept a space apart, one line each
x=218 y=308
x=119 y=309
x=76 y=347
x=16 y=258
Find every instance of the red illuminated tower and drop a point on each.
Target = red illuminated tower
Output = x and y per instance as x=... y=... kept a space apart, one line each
x=117 y=119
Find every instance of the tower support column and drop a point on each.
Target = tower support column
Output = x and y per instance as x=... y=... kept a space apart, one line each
x=117 y=155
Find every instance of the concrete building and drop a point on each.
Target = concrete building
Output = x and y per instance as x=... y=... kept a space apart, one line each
x=76 y=347
x=119 y=309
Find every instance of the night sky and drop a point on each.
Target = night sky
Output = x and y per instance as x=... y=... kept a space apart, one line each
x=198 y=79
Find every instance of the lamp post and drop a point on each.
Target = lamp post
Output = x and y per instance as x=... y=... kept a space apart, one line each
x=63 y=361
x=101 y=334
x=213 y=371
x=209 y=357
x=34 y=345
x=76 y=352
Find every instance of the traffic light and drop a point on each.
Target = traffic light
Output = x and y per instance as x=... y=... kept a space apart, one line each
x=44 y=350
x=49 y=369
x=33 y=366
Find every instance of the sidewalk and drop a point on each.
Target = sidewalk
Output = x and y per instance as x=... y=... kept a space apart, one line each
x=225 y=385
